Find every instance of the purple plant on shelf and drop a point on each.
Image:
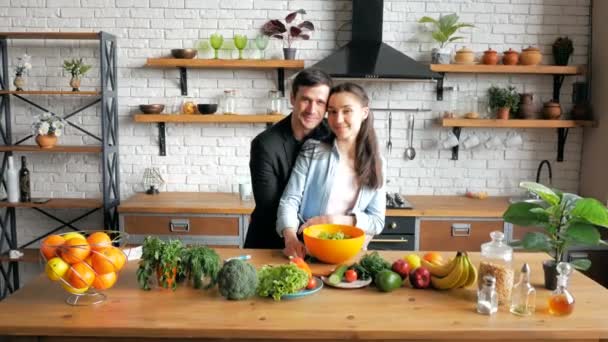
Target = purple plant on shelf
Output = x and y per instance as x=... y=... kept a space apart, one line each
x=290 y=32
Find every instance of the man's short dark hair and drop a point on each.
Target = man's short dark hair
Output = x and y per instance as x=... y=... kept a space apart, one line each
x=310 y=77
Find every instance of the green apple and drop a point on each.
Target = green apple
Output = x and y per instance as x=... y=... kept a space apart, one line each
x=55 y=268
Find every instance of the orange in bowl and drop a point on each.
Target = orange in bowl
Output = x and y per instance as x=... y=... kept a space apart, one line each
x=333 y=251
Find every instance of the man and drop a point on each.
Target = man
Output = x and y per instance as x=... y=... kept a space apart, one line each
x=274 y=152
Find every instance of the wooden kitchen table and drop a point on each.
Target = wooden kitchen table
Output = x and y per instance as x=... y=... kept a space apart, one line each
x=39 y=310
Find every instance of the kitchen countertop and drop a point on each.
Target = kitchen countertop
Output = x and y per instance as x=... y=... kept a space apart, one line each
x=230 y=203
x=38 y=309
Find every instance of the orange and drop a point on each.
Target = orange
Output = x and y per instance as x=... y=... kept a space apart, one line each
x=107 y=260
x=121 y=259
x=49 y=246
x=105 y=281
x=70 y=289
x=433 y=258
x=99 y=240
x=75 y=250
x=80 y=275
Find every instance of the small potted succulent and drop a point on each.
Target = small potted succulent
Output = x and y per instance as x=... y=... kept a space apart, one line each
x=77 y=69
x=562 y=49
x=444 y=28
x=567 y=219
x=22 y=66
x=289 y=33
x=503 y=101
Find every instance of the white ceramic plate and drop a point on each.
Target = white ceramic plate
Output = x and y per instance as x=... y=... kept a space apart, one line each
x=357 y=284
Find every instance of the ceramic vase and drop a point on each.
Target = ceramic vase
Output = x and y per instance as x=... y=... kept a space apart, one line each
x=75 y=83
x=19 y=82
x=46 y=141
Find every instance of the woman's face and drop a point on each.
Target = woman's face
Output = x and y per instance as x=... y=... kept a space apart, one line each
x=345 y=114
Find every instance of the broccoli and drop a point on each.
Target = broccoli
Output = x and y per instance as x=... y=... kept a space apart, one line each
x=237 y=280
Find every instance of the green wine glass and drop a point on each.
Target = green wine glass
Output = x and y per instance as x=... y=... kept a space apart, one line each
x=216 y=40
x=240 y=42
x=261 y=42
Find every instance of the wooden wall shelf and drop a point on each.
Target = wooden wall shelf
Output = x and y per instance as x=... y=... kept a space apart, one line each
x=56 y=149
x=258 y=118
x=509 y=69
x=50 y=35
x=58 y=203
x=515 y=123
x=50 y=92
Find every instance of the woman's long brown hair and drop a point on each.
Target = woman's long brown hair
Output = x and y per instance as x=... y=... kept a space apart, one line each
x=368 y=165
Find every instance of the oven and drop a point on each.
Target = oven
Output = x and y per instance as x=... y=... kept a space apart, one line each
x=399 y=233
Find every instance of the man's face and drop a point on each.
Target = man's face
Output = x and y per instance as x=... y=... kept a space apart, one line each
x=309 y=105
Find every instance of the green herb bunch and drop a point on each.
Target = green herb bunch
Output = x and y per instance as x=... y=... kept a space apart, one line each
x=150 y=259
x=76 y=67
x=503 y=97
x=370 y=264
x=200 y=264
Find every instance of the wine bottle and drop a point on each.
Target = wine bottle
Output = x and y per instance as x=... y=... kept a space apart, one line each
x=24 y=182
x=12 y=182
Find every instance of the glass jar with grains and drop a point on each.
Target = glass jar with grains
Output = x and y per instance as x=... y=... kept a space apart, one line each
x=496 y=257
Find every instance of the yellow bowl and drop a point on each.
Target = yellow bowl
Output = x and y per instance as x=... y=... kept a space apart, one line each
x=333 y=251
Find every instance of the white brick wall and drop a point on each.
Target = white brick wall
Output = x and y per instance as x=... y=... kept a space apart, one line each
x=214 y=157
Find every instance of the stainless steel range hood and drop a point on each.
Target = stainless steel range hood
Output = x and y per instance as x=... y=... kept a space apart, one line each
x=366 y=56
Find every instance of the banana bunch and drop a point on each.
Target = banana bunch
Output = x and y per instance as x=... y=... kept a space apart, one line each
x=458 y=272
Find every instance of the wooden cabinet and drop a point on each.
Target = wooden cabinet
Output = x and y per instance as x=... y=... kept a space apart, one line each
x=456 y=234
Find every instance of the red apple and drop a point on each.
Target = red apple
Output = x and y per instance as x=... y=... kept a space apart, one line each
x=401 y=267
x=420 y=278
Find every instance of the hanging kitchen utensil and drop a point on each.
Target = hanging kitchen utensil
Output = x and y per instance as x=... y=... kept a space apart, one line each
x=389 y=144
x=410 y=152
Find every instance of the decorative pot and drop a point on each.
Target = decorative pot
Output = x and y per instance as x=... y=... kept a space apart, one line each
x=552 y=110
x=75 y=83
x=490 y=57
x=561 y=57
x=441 y=56
x=46 y=141
x=19 y=82
x=530 y=56
x=502 y=113
x=526 y=106
x=510 y=57
x=289 y=53
x=580 y=111
x=550 y=269
x=464 y=56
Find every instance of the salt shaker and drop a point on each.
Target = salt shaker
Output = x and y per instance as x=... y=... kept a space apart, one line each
x=487 y=298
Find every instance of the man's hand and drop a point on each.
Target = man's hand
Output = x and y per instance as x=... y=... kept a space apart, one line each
x=334 y=219
x=293 y=246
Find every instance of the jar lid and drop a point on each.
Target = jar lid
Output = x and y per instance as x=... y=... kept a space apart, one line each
x=489 y=50
x=551 y=104
x=531 y=49
x=510 y=51
x=497 y=248
x=464 y=49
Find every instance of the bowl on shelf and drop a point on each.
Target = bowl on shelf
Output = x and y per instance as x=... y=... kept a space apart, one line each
x=317 y=239
x=207 y=108
x=184 y=53
x=152 y=108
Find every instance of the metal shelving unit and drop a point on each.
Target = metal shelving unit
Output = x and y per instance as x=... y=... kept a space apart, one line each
x=107 y=98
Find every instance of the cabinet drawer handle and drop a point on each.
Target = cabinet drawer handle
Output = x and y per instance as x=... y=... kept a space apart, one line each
x=179 y=225
x=461 y=229
x=389 y=240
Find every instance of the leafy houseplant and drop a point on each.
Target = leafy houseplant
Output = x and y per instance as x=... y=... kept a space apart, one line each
x=562 y=49
x=22 y=66
x=444 y=28
x=503 y=100
x=47 y=127
x=77 y=69
x=290 y=32
x=162 y=258
x=567 y=219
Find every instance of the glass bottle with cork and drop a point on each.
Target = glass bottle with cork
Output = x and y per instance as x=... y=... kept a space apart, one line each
x=496 y=257
x=561 y=301
x=523 y=296
x=25 y=194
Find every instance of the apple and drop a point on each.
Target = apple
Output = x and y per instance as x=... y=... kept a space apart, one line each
x=420 y=278
x=401 y=267
x=56 y=268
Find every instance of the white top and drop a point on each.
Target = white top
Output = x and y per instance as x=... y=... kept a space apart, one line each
x=345 y=189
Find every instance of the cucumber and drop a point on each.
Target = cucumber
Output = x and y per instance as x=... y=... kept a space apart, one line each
x=336 y=277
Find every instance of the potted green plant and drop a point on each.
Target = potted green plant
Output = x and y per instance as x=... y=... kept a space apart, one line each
x=201 y=266
x=503 y=101
x=77 y=69
x=567 y=219
x=562 y=49
x=444 y=29
x=161 y=258
x=289 y=33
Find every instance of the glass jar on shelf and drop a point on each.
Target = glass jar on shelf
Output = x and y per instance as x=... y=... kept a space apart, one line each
x=276 y=103
x=229 y=102
x=496 y=260
x=188 y=106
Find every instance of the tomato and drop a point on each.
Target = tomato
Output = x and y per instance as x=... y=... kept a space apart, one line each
x=350 y=275
x=312 y=283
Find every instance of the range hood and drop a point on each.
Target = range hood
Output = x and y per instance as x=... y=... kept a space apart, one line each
x=366 y=56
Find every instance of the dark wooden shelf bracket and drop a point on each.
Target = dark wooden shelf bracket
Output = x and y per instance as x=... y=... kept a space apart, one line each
x=183 y=80
x=440 y=87
x=161 y=139
x=456 y=131
x=562 y=134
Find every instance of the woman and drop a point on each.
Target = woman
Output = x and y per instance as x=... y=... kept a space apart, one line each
x=339 y=180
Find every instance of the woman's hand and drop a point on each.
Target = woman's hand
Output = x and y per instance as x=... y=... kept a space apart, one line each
x=293 y=246
x=333 y=219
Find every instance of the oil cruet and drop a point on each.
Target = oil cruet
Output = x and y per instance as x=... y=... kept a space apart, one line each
x=561 y=301
x=523 y=296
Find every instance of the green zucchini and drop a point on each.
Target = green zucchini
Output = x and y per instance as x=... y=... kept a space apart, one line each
x=336 y=277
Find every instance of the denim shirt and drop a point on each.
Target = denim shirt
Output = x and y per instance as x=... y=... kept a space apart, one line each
x=310 y=184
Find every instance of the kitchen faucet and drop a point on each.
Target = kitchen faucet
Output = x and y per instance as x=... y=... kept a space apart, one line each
x=540 y=168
